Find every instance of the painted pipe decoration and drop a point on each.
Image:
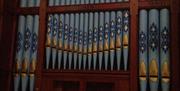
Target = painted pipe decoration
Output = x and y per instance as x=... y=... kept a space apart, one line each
x=106 y=39
x=112 y=38
x=80 y=45
x=55 y=39
x=164 y=50
x=119 y=34
x=95 y=40
x=27 y=51
x=70 y=40
x=125 y=38
x=49 y=40
x=143 y=63
x=153 y=46
x=90 y=40
x=85 y=40
x=60 y=39
x=154 y=52
x=66 y=36
x=101 y=37
x=19 y=51
x=75 y=43
x=33 y=61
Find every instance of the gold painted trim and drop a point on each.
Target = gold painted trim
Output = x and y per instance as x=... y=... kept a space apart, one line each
x=60 y=44
x=65 y=46
x=106 y=45
x=48 y=41
x=153 y=68
x=165 y=80
x=75 y=47
x=142 y=68
x=90 y=49
x=125 y=40
x=54 y=42
x=24 y=65
x=118 y=41
x=33 y=66
x=31 y=75
x=94 y=47
x=143 y=78
x=153 y=79
x=23 y=74
x=112 y=43
x=165 y=69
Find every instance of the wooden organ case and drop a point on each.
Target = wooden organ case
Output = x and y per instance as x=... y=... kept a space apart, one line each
x=55 y=70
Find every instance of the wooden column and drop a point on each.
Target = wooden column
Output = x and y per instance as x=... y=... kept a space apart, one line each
x=41 y=44
x=174 y=46
x=133 y=45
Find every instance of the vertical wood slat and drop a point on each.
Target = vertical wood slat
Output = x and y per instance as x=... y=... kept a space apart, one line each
x=133 y=64
x=175 y=75
x=41 y=44
x=10 y=26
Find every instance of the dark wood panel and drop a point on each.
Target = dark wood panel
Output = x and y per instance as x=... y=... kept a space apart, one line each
x=88 y=8
x=174 y=46
x=154 y=4
x=27 y=10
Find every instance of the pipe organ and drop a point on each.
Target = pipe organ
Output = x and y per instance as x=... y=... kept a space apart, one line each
x=86 y=40
x=26 y=52
x=154 y=49
x=93 y=45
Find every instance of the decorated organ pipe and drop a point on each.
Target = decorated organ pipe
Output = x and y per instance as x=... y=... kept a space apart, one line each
x=70 y=40
x=106 y=39
x=100 y=39
x=85 y=40
x=19 y=51
x=56 y=29
x=125 y=37
x=76 y=40
x=72 y=2
x=80 y=40
x=95 y=39
x=66 y=36
x=27 y=51
x=49 y=36
x=29 y=3
x=143 y=63
x=48 y=40
x=60 y=39
x=153 y=48
x=55 y=39
x=62 y=2
x=67 y=2
x=119 y=35
x=164 y=50
x=34 y=44
x=154 y=52
x=112 y=38
x=90 y=40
